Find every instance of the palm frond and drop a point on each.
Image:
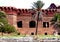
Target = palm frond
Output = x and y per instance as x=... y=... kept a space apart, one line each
x=38 y=4
x=2 y=15
x=56 y=20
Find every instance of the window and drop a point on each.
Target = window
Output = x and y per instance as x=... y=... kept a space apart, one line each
x=45 y=33
x=32 y=24
x=45 y=24
x=58 y=33
x=32 y=33
x=19 y=24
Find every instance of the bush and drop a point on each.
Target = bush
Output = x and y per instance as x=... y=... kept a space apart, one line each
x=9 y=28
x=4 y=26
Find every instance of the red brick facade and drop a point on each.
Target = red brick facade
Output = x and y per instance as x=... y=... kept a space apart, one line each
x=15 y=15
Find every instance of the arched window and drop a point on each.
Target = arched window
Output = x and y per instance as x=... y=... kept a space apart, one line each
x=32 y=24
x=19 y=24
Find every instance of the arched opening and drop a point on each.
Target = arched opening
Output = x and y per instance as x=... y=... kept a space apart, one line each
x=19 y=10
x=32 y=24
x=26 y=10
x=32 y=33
x=23 y=10
x=50 y=11
x=45 y=33
x=58 y=33
x=5 y=8
x=19 y=24
x=12 y=8
x=8 y=8
x=42 y=10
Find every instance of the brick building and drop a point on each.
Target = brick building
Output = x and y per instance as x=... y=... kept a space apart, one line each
x=24 y=22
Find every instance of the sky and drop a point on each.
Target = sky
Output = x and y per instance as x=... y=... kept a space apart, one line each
x=27 y=3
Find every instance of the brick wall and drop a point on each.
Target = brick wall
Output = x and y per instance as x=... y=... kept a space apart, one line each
x=14 y=15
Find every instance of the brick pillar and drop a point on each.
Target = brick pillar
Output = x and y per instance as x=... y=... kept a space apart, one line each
x=15 y=21
x=12 y=18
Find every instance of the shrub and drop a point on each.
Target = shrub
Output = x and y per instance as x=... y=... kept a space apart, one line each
x=9 y=28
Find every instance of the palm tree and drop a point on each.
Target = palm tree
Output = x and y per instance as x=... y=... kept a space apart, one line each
x=37 y=6
x=1 y=27
x=2 y=14
x=2 y=21
x=4 y=25
x=3 y=17
x=56 y=21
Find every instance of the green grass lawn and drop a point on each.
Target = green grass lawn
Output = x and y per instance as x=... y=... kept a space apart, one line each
x=18 y=36
x=48 y=36
x=39 y=36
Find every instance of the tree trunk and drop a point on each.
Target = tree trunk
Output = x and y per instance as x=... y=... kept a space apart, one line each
x=37 y=23
x=36 y=27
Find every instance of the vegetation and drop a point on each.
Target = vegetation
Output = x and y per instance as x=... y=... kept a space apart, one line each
x=9 y=28
x=4 y=26
x=19 y=36
x=37 y=6
x=56 y=20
